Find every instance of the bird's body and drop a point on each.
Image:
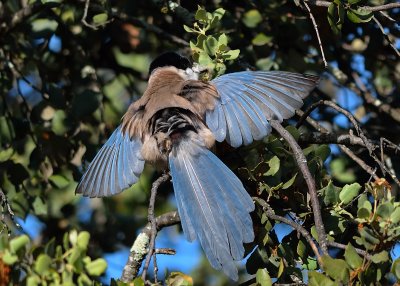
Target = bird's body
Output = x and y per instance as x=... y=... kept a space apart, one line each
x=175 y=124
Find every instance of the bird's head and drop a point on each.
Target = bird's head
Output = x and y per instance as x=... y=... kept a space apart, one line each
x=185 y=68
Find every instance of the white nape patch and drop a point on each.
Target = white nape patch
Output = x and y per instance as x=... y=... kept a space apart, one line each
x=192 y=74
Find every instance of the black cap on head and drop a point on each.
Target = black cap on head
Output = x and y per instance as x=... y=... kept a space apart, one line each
x=170 y=59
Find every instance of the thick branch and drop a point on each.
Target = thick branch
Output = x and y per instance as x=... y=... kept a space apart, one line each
x=367 y=8
x=140 y=247
x=330 y=138
x=302 y=163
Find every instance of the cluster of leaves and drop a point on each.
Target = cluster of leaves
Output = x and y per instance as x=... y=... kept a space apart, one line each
x=372 y=211
x=339 y=9
x=51 y=264
x=210 y=51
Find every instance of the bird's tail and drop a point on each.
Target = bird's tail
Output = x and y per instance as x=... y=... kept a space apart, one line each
x=212 y=203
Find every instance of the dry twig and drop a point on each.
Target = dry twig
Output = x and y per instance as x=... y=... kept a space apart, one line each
x=316 y=32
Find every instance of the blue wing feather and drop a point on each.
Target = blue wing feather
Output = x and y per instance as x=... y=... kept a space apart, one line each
x=116 y=166
x=250 y=99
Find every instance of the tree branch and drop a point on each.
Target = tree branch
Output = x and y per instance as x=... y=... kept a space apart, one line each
x=21 y=15
x=140 y=246
x=316 y=32
x=368 y=144
x=365 y=254
x=394 y=113
x=302 y=163
x=269 y=212
x=330 y=138
x=367 y=8
x=153 y=224
x=151 y=28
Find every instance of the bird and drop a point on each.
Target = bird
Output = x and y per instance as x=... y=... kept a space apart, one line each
x=175 y=125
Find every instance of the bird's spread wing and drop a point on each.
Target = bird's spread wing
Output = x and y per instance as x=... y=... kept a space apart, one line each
x=247 y=100
x=116 y=166
x=212 y=202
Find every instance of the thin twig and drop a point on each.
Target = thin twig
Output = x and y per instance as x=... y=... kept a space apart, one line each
x=391 y=43
x=316 y=32
x=302 y=163
x=365 y=254
x=359 y=161
x=84 y=17
x=269 y=212
x=152 y=221
x=394 y=113
x=370 y=147
x=151 y=28
x=140 y=247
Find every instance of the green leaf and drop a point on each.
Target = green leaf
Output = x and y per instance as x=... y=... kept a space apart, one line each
x=231 y=55
x=261 y=39
x=396 y=268
x=42 y=264
x=210 y=45
x=336 y=268
x=274 y=165
x=385 y=210
x=59 y=125
x=289 y=183
x=363 y=213
x=301 y=249
x=351 y=2
x=33 y=280
x=201 y=15
x=336 y=16
x=219 y=13
x=9 y=258
x=59 y=181
x=96 y=267
x=39 y=206
x=222 y=40
x=179 y=279
x=263 y=278
x=331 y=194
x=83 y=240
x=100 y=18
x=349 y=192
x=359 y=16
x=6 y=154
x=204 y=59
x=319 y=279
x=188 y=29
x=380 y=257
x=323 y=152
x=293 y=131
x=352 y=257
x=252 y=18
x=18 y=242
x=395 y=216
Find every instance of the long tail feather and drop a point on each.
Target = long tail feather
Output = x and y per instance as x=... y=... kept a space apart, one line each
x=212 y=203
